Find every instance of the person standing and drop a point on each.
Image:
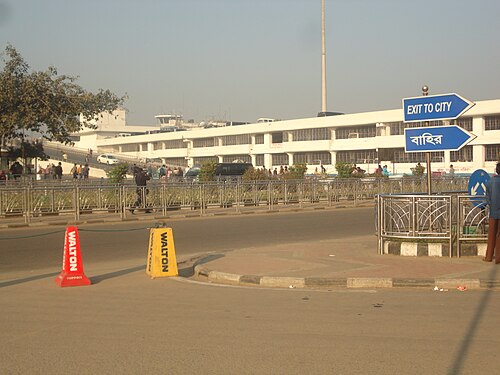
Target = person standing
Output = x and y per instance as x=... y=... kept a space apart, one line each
x=58 y=171
x=74 y=171
x=493 y=201
x=452 y=171
x=385 y=171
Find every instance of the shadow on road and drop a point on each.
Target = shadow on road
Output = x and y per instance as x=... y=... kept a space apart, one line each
x=462 y=352
x=97 y=279
x=27 y=279
x=189 y=270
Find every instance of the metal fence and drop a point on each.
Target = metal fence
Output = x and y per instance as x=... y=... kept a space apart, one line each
x=77 y=197
x=450 y=218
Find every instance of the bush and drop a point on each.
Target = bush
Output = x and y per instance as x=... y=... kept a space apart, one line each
x=255 y=174
x=418 y=170
x=296 y=172
x=344 y=170
x=118 y=173
x=207 y=171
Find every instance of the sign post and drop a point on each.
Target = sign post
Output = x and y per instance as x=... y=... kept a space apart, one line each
x=439 y=138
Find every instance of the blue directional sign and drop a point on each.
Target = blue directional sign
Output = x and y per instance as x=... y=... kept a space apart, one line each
x=477 y=186
x=436 y=138
x=435 y=107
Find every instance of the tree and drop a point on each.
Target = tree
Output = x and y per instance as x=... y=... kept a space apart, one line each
x=45 y=102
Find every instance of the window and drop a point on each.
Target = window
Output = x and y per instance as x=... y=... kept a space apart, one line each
x=366 y=131
x=130 y=148
x=259 y=139
x=259 y=160
x=204 y=142
x=312 y=158
x=277 y=138
x=175 y=143
x=397 y=128
x=464 y=154
x=239 y=158
x=492 y=123
x=232 y=140
x=465 y=122
x=492 y=152
x=358 y=156
x=279 y=159
x=311 y=134
x=400 y=156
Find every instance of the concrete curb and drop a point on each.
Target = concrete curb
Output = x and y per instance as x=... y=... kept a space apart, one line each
x=349 y=282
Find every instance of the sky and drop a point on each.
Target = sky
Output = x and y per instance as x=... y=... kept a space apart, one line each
x=239 y=60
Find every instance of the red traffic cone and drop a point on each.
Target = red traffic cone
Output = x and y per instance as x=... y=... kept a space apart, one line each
x=72 y=269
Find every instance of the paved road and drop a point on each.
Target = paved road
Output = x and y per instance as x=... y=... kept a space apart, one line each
x=108 y=242
x=127 y=323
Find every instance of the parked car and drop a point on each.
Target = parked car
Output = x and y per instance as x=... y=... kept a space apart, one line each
x=107 y=159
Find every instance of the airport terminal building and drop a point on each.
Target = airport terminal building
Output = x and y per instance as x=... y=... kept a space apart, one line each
x=365 y=139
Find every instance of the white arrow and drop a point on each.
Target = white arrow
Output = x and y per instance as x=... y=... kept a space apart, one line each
x=473 y=190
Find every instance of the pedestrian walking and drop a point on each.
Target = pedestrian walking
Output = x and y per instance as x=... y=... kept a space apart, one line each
x=141 y=179
x=493 y=201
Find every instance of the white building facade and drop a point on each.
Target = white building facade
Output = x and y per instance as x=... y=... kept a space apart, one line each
x=365 y=139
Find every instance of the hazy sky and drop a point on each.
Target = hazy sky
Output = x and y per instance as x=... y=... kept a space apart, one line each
x=244 y=59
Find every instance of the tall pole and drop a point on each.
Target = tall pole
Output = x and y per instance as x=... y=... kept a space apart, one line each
x=323 y=58
x=425 y=92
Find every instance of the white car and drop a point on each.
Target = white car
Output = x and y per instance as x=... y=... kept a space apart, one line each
x=107 y=159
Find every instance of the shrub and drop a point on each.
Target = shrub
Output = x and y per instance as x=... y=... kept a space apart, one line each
x=296 y=172
x=118 y=173
x=344 y=170
x=255 y=174
x=207 y=171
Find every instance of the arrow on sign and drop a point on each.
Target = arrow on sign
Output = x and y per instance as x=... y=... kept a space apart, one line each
x=436 y=138
x=474 y=189
x=435 y=107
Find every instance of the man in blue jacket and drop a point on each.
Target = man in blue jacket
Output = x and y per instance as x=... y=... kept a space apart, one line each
x=493 y=199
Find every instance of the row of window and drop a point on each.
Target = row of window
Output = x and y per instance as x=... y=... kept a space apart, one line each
x=316 y=134
x=397 y=155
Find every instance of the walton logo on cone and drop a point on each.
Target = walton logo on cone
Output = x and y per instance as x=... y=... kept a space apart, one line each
x=72 y=269
x=161 y=253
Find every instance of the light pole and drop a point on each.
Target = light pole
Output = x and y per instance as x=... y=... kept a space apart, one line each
x=425 y=92
x=323 y=59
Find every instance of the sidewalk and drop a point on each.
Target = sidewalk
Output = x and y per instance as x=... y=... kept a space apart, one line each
x=351 y=263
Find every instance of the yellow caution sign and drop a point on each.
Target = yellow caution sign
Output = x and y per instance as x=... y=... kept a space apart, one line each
x=161 y=253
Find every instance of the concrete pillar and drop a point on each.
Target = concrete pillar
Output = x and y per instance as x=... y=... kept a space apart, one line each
x=478 y=151
x=290 y=158
x=333 y=155
x=254 y=160
x=268 y=160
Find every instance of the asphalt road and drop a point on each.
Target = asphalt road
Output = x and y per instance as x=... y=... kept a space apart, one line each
x=30 y=250
x=126 y=323
x=129 y=324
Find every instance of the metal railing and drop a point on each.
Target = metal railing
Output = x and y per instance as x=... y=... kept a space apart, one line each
x=53 y=197
x=431 y=218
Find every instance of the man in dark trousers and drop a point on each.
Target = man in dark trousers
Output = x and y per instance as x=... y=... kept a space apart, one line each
x=493 y=199
x=141 y=179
